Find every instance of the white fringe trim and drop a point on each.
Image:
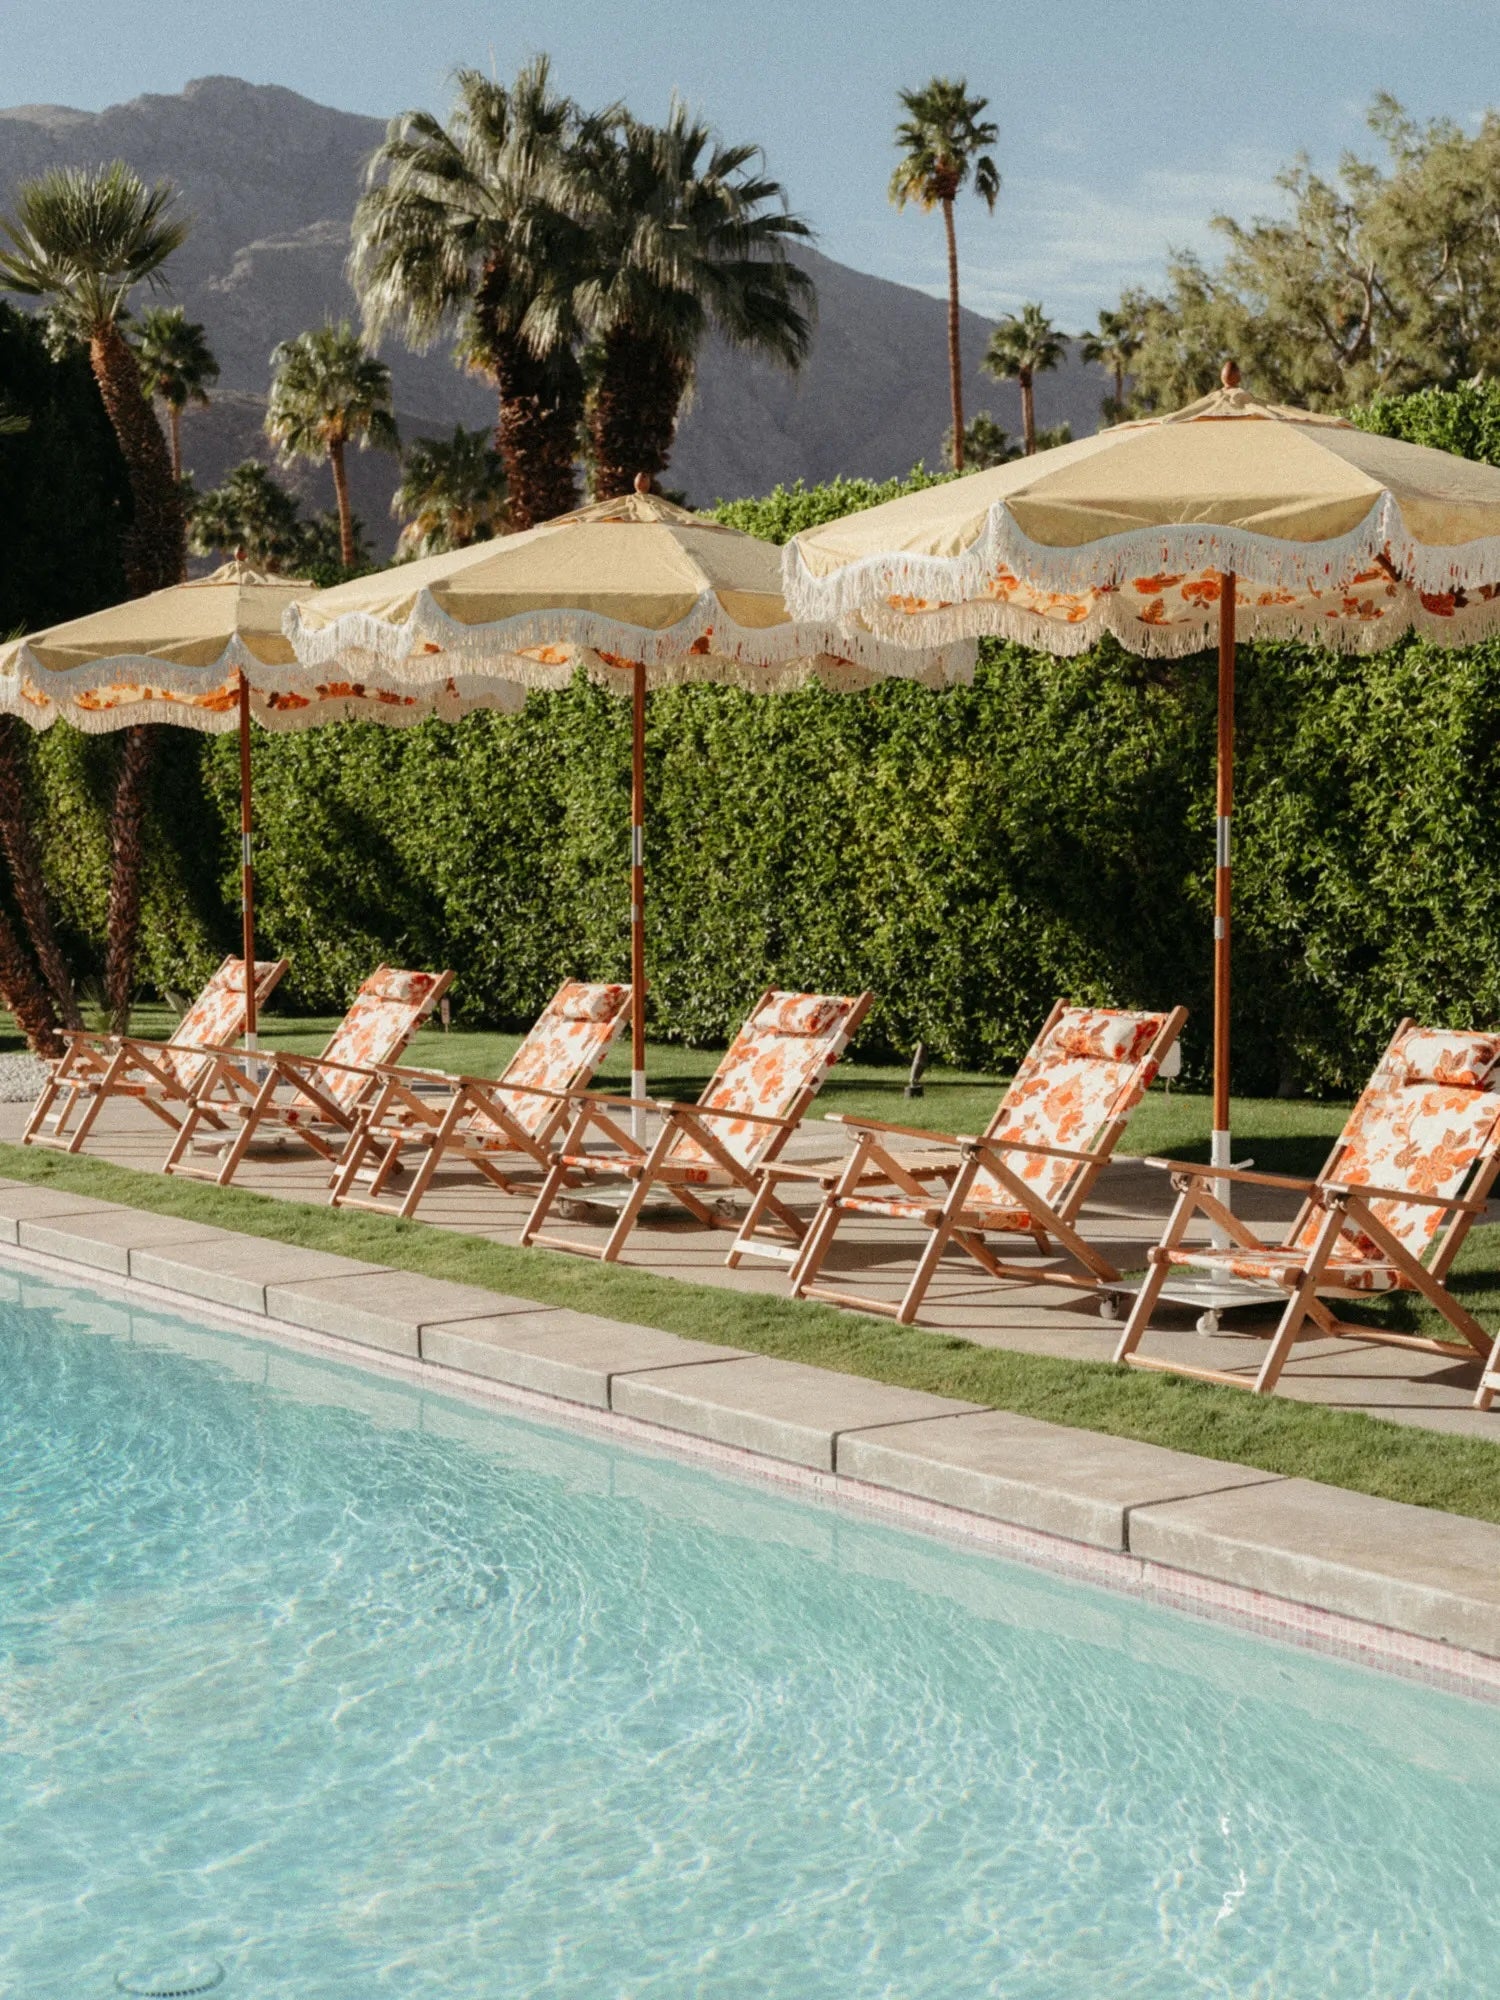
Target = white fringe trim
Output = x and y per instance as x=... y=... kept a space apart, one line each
x=864 y=589
x=394 y=651
x=446 y=705
x=1064 y=638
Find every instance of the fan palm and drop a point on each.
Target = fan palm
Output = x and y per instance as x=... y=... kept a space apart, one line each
x=177 y=365
x=1113 y=346
x=328 y=392
x=452 y=492
x=83 y=239
x=467 y=228
x=943 y=140
x=1022 y=347
x=251 y=511
x=685 y=234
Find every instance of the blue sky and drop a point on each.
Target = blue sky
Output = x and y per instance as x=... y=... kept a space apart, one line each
x=1123 y=127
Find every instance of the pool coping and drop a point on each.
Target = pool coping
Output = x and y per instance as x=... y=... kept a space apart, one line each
x=1259 y=1550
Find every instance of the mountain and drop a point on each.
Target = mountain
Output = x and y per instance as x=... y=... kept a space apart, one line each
x=270 y=179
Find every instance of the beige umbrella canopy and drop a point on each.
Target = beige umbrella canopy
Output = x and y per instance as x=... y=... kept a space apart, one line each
x=1230 y=516
x=208 y=655
x=638 y=592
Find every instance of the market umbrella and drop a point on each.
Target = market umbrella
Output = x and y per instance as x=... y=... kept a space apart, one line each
x=207 y=655
x=1229 y=518
x=637 y=591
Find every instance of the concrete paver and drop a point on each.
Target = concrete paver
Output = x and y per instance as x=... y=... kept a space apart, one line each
x=1412 y=1568
x=107 y=1242
x=382 y=1308
x=781 y=1408
x=236 y=1271
x=20 y=1202
x=575 y=1355
x=1078 y=1484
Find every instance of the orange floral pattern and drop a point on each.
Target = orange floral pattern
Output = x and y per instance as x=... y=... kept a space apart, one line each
x=1412 y=1129
x=1087 y=1070
x=382 y=1018
x=214 y=1021
x=765 y=1070
x=565 y=1046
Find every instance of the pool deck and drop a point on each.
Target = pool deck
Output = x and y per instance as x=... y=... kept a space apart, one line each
x=1399 y=1586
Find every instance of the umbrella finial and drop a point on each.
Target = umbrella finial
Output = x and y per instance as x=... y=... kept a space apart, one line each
x=643 y=482
x=1229 y=375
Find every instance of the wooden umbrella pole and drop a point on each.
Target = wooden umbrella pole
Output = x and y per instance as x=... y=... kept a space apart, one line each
x=638 y=895
x=1222 y=879
x=247 y=878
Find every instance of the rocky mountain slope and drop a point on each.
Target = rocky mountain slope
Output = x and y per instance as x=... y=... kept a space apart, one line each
x=270 y=179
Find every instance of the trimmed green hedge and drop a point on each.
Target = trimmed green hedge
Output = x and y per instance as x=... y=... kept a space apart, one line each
x=968 y=855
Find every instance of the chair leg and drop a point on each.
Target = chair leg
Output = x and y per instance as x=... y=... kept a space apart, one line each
x=551 y=1188
x=1158 y=1269
x=937 y=1243
x=1296 y=1308
x=635 y=1202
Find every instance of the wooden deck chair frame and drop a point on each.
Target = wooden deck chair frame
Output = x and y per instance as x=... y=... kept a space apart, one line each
x=648 y=1167
x=398 y=1117
x=96 y=1067
x=235 y=1089
x=1302 y=1280
x=955 y=1162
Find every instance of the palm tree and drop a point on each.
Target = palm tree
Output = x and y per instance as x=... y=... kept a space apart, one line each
x=1113 y=347
x=467 y=228
x=1022 y=347
x=942 y=141
x=177 y=365
x=328 y=392
x=452 y=493
x=83 y=239
x=252 y=511
x=685 y=234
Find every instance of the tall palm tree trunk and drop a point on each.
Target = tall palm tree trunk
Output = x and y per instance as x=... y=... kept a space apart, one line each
x=1028 y=410
x=155 y=543
x=26 y=876
x=155 y=555
x=633 y=411
x=955 y=364
x=341 y=497
x=174 y=424
x=25 y=995
x=541 y=409
x=123 y=921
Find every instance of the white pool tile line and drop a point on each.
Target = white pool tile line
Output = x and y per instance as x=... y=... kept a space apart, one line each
x=1403 y=1585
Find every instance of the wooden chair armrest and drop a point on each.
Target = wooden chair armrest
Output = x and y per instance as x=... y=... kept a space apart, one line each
x=983 y=1145
x=1201 y=1171
x=854 y=1124
x=1368 y=1191
x=668 y=1110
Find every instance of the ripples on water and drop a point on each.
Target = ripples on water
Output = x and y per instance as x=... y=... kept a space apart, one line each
x=356 y=1690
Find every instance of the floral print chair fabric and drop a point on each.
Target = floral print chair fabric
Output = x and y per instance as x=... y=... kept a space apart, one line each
x=479 y=1121
x=315 y=1099
x=1389 y=1211
x=158 y=1075
x=1029 y=1174
x=728 y=1141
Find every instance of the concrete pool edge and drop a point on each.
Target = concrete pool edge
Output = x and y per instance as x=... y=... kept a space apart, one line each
x=1399 y=1587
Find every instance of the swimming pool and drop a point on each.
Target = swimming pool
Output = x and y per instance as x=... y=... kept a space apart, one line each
x=316 y=1684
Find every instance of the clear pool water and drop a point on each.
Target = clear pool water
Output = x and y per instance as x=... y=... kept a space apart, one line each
x=350 y=1690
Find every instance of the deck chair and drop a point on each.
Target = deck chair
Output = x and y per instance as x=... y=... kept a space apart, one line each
x=724 y=1143
x=1029 y=1173
x=515 y=1117
x=1389 y=1212
x=314 y=1099
x=158 y=1075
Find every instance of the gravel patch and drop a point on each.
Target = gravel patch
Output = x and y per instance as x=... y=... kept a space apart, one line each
x=21 y=1078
